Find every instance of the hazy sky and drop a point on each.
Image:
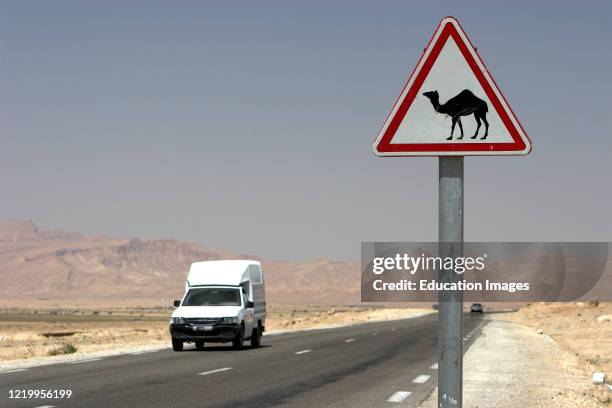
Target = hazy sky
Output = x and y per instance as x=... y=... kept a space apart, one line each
x=248 y=126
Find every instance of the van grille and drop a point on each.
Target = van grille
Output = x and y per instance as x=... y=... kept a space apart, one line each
x=198 y=320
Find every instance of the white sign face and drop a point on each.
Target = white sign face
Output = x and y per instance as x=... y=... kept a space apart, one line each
x=451 y=106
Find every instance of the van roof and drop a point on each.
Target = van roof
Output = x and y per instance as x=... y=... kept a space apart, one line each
x=227 y=272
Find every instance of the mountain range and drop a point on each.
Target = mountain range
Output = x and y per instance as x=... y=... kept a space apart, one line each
x=58 y=265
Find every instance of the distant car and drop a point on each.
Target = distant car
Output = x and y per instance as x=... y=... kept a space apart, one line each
x=476 y=308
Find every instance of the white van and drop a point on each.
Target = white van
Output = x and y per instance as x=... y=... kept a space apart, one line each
x=224 y=301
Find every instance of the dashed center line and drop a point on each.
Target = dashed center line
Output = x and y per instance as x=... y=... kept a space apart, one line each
x=218 y=370
x=421 y=379
x=297 y=353
x=45 y=406
x=434 y=366
x=349 y=340
x=399 y=396
x=392 y=329
x=374 y=334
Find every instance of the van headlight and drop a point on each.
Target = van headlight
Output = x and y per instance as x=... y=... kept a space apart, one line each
x=177 y=320
x=229 y=320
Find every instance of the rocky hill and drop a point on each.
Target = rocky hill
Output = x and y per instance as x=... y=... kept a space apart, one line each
x=54 y=264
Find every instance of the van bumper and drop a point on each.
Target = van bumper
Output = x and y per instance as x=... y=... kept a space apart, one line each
x=221 y=333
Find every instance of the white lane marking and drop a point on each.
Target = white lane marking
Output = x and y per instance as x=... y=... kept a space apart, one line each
x=297 y=353
x=421 y=379
x=392 y=329
x=45 y=406
x=85 y=361
x=349 y=340
x=465 y=339
x=399 y=396
x=218 y=370
x=434 y=366
x=135 y=353
x=374 y=334
x=13 y=371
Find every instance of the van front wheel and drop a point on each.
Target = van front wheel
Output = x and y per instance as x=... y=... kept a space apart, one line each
x=238 y=341
x=177 y=345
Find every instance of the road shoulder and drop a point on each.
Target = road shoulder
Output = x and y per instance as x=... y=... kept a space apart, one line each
x=510 y=365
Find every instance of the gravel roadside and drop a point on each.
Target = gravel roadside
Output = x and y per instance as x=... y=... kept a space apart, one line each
x=510 y=365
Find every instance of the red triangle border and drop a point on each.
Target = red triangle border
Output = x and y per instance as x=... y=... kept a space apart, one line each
x=384 y=147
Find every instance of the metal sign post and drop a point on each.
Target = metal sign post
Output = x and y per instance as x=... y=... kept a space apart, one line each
x=451 y=107
x=450 y=303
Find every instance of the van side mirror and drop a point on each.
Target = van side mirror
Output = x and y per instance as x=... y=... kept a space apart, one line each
x=250 y=305
x=177 y=303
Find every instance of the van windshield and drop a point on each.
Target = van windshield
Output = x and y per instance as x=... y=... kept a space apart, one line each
x=212 y=297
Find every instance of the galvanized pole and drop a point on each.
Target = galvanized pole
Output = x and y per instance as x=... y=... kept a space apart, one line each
x=450 y=313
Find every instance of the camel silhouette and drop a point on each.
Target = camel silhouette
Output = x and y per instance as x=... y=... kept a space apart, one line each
x=463 y=104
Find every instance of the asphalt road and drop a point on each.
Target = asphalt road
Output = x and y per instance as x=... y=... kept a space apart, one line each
x=357 y=366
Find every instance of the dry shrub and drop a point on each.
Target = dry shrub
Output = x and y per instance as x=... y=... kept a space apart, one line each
x=67 y=348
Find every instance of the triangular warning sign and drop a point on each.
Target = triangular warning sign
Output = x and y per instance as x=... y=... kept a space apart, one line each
x=451 y=106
